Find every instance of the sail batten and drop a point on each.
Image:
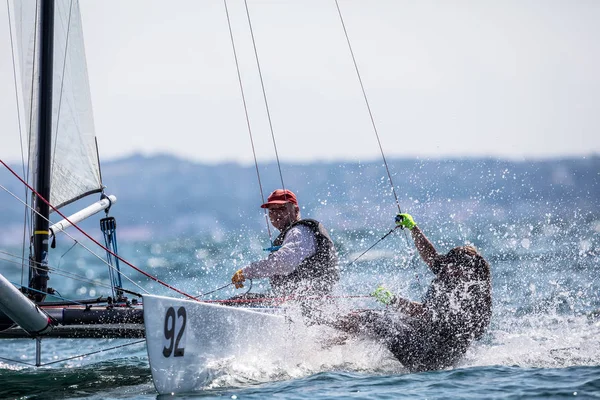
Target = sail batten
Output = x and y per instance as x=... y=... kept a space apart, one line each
x=75 y=168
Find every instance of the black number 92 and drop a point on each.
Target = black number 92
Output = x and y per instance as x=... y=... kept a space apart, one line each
x=170 y=334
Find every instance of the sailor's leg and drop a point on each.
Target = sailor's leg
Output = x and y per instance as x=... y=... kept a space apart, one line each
x=361 y=322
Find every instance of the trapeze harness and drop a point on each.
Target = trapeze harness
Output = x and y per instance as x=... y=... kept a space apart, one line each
x=316 y=274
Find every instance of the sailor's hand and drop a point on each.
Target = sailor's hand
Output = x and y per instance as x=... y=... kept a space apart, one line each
x=383 y=295
x=405 y=221
x=238 y=278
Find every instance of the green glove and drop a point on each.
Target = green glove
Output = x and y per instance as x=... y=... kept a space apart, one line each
x=405 y=221
x=383 y=295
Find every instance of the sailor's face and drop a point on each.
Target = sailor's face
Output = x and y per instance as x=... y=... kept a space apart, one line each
x=281 y=215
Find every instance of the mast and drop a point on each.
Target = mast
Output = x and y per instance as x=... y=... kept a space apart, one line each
x=41 y=234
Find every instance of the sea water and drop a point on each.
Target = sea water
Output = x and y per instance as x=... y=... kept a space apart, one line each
x=543 y=341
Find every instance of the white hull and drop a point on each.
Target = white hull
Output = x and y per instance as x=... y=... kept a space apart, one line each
x=184 y=336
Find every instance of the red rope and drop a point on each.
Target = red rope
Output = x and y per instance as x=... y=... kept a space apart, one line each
x=95 y=241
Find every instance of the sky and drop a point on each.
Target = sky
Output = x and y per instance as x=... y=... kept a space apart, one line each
x=516 y=79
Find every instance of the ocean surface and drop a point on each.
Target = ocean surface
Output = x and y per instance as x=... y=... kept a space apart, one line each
x=543 y=342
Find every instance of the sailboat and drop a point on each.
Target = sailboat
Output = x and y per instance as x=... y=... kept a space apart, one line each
x=182 y=336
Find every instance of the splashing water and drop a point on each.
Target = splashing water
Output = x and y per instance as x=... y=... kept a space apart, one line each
x=546 y=297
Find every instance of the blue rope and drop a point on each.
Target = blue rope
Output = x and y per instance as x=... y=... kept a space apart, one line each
x=110 y=240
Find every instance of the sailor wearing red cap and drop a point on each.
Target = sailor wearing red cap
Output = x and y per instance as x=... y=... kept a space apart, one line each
x=305 y=262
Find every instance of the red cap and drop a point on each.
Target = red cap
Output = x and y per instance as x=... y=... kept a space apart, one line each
x=280 y=196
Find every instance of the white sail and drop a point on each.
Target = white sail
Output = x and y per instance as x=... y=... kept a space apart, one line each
x=75 y=169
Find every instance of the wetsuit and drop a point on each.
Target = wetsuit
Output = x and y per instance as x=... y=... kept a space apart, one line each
x=456 y=312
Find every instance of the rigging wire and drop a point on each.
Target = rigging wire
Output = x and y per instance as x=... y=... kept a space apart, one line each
x=65 y=253
x=25 y=172
x=98 y=243
x=269 y=114
x=30 y=197
x=14 y=259
x=77 y=356
x=237 y=65
x=262 y=84
x=283 y=299
x=264 y=92
x=66 y=233
x=75 y=277
x=364 y=92
x=95 y=352
x=49 y=294
x=373 y=245
x=215 y=290
x=412 y=252
x=6 y=253
x=17 y=361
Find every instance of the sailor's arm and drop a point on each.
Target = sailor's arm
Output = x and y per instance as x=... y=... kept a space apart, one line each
x=412 y=308
x=426 y=250
x=299 y=243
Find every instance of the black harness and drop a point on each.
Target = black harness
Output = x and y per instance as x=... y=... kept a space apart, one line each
x=316 y=274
